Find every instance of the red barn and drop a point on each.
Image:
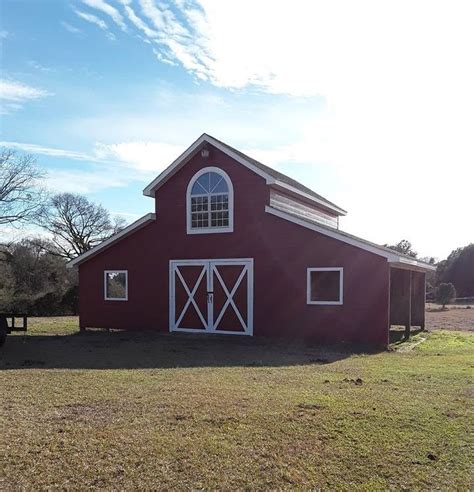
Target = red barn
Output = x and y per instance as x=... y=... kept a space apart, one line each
x=235 y=247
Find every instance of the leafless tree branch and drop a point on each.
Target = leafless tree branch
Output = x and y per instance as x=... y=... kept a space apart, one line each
x=21 y=197
x=75 y=224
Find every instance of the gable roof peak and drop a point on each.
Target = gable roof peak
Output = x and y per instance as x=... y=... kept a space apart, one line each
x=272 y=176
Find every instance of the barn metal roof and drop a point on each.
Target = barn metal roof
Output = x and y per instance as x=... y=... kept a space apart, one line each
x=279 y=176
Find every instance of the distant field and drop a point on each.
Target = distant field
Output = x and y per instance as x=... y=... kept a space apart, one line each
x=128 y=411
x=455 y=318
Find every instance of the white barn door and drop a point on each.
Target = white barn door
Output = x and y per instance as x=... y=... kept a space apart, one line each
x=212 y=296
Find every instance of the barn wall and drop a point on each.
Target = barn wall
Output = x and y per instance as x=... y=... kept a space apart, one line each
x=282 y=252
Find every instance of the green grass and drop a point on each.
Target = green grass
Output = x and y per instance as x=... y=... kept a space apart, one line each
x=118 y=410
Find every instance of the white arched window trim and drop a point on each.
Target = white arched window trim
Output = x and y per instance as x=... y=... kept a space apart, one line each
x=210 y=230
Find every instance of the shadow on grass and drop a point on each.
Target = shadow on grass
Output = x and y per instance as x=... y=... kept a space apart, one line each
x=124 y=350
x=397 y=334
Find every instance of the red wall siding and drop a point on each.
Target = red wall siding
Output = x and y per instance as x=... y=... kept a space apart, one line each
x=282 y=252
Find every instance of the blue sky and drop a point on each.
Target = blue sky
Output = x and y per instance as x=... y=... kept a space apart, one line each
x=370 y=104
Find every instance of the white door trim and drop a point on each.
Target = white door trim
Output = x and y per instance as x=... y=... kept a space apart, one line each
x=209 y=269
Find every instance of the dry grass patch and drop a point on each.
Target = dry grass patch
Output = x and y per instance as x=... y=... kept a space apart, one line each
x=151 y=411
x=452 y=318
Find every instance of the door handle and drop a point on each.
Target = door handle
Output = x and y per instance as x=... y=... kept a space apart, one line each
x=210 y=297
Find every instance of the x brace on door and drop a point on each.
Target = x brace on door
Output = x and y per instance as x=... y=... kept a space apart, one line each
x=211 y=270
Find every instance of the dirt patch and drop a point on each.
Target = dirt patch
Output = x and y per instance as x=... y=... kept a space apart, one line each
x=451 y=319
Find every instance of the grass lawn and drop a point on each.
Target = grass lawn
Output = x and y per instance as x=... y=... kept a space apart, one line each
x=118 y=410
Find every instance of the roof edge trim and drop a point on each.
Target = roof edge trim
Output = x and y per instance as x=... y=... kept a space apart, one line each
x=133 y=227
x=270 y=180
x=392 y=258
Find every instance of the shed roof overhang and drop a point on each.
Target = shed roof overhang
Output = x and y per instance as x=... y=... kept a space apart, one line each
x=395 y=260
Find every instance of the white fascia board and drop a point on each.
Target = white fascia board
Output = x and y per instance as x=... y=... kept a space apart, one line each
x=270 y=180
x=407 y=264
x=148 y=191
x=333 y=233
x=138 y=224
x=394 y=259
x=169 y=171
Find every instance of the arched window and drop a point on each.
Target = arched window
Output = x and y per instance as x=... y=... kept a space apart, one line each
x=210 y=202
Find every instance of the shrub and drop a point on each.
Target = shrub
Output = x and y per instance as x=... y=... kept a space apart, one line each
x=445 y=293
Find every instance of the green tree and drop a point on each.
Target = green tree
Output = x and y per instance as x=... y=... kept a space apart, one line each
x=458 y=269
x=31 y=279
x=445 y=293
x=404 y=246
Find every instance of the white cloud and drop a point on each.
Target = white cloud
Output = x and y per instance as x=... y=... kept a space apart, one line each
x=71 y=28
x=18 y=92
x=4 y=34
x=85 y=181
x=145 y=157
x=107 y=9
x=96 y=21
x=396 y=132
x=50 y=151
x=41 y=68
x=139 y=23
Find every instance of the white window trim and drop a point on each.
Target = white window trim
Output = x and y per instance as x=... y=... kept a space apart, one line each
x=210 y=230
x=106 y=272
x=341 y=285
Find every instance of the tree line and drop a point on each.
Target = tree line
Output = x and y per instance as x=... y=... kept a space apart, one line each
x=453 y=277
x=33 y=274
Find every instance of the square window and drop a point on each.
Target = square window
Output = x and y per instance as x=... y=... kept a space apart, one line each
x=116 y=285
x=324 y=286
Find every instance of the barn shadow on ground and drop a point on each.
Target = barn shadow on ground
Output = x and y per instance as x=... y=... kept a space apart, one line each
x=123 y=350
x=397 y=334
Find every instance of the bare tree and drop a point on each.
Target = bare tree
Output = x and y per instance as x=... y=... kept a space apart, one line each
x=76 y=225
x=21 y=197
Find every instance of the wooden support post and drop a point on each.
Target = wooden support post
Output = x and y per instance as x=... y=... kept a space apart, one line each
x=424 y=303
x=408 y=324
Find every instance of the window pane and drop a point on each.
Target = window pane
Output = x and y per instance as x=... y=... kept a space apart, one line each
x=325 y=286
x=209 y=202
x=218 y=184
x=209 y=183
x=199 y=219
x=220 y=219
x=116 y=285
x=202 y=184
x=199 y=204
x=219 y=202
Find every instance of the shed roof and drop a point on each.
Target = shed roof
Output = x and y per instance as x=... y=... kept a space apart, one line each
x=395 y=258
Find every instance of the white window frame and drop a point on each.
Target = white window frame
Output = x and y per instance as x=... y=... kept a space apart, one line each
x=210 y=230
x=341 y=285
x=106 y=272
